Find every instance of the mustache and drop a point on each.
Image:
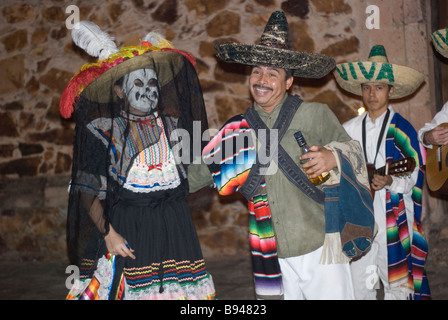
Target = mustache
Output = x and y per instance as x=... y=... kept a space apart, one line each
x=258 y=86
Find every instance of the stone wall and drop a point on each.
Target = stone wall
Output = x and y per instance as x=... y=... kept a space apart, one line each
x=38 y=59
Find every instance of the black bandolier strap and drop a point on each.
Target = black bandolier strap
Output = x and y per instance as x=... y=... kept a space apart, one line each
x=285 y=162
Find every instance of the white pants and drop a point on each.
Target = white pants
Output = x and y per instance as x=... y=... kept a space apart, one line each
x=305 y=279
x=371 y=270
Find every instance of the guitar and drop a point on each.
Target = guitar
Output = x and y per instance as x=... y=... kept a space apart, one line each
x=397 y=168
x=437 y=166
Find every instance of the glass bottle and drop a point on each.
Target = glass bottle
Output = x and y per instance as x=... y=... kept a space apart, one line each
x=305 y=148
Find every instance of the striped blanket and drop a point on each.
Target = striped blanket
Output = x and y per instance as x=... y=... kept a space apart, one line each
x=230 y=156
x=406 y=257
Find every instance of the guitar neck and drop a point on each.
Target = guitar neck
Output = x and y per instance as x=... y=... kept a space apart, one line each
x=399 y=167
x=383 y=171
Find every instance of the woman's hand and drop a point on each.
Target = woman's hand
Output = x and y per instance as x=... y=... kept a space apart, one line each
x=117 y=245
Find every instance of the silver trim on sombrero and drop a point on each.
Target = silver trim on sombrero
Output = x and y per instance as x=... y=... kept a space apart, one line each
x=302 y=64
x=275 y=50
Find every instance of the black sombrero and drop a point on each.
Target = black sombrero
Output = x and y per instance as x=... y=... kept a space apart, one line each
x=275 y=50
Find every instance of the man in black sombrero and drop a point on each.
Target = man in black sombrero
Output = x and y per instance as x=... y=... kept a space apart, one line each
x=300 y=242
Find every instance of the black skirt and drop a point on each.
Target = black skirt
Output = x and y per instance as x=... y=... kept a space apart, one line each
x=169 y=262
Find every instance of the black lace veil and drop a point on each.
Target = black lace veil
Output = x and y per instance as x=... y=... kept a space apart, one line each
x=108 y=137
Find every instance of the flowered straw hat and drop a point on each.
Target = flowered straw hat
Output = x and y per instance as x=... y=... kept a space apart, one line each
x=113 y=63
x=440 y=41
x=275 y=50
x=351 y=75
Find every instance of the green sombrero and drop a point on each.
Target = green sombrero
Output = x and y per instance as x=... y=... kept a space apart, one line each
x=440 y=41
x=275 y=50
x=351 y=75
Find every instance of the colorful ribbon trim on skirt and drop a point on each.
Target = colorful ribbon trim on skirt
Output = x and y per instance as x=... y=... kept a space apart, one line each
x=91 y=292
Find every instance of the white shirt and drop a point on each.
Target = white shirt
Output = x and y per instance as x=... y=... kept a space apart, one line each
x=402 y=185
x=440 y=117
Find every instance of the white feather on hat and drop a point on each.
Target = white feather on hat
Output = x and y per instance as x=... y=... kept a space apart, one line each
x=93 y=40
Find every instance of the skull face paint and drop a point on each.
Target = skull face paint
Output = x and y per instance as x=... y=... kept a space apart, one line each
x=140 y=87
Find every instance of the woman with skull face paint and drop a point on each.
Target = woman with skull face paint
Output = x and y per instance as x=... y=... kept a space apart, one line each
x=129 y=227
x=140 y=89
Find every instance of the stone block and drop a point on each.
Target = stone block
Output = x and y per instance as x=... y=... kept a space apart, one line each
x=332 y=7
x=231 y=72
x=6 y=150
x=19 y=13
x=8 y=125
x=301 y=37
x=167 y=12
x=13 y=73
x=205 y=7
x=53 y=13
x=297 y=8
x=56 y=79
x=23 y=167
x=15 y=41
x=266 y=3
x=342 y=48
x=224 y=24
x=59 y=136
x=27 y=192
x=28 y=148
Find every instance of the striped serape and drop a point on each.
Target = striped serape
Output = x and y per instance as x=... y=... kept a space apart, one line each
x=406 y=255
